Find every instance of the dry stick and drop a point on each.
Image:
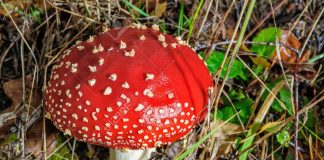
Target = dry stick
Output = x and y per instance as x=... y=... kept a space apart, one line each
x=264 y=149
x=242 y=53
x=296 y=104
x=34 y=82
x=296 y=86
x=255 y=104
x=44 y=149
x=22 y=126
x=312 y=83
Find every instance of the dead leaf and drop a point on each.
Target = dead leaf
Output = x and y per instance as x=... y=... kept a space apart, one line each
x=34 y=137
x=13 y=89
x=287 y=55
x=159 y=9
x=154 y=7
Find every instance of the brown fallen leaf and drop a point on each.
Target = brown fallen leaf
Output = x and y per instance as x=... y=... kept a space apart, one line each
x=13 y=89
x=287 y=55
x=159 y=9
x=154 y=7
x=34 y=138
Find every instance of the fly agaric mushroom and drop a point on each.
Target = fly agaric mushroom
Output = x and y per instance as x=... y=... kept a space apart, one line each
x=129 y=89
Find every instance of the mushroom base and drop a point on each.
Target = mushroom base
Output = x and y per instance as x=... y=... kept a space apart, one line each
x=117 y=154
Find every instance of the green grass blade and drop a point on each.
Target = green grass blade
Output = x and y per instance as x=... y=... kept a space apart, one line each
x=180 y=22
x=140 y=11
x=316 y=58
x=194 y=19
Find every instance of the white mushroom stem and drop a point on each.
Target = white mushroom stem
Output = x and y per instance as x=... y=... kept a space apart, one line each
x=116 y=154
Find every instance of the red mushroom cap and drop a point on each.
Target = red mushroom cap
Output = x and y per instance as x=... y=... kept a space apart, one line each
x=130 y=88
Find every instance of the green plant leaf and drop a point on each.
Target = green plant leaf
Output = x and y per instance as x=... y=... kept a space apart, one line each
x=283 y=138
x=284 y=96
x=243 y=106
x=214 y=61
x=265 y=35
x=236 y=94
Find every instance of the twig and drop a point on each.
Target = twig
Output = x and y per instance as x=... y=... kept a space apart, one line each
x=296 y=86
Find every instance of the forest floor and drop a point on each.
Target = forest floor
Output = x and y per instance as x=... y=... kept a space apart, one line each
x=266 y=58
